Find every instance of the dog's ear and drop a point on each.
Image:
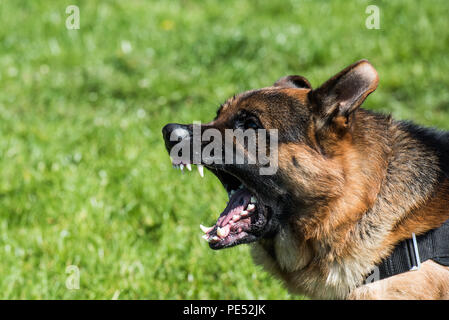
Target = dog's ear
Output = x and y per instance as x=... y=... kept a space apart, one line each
x=342 y=94
x=293 y=82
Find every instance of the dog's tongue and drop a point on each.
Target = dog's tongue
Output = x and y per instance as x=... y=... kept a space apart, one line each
x=238 y=202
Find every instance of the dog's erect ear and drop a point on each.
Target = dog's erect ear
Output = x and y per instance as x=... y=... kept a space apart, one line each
x=293 y=82
x=344 y=93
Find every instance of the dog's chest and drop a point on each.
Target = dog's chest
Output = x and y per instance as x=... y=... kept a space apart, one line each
x=307 y=268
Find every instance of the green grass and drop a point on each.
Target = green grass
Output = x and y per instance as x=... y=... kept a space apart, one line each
x=84 y=176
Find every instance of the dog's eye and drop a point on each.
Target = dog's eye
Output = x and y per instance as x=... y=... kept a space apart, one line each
x=251 y=124
x=247 y=124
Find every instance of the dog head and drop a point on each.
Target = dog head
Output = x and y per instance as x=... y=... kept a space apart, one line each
x=312 y=127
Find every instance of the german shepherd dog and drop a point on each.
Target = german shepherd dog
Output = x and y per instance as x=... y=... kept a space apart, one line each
x=350 y=185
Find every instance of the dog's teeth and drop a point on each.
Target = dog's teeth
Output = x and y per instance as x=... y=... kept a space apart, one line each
x=223 y=232
x=253 y=199
x=214 y=239
x=205 y=229
x=251 y=207
x=235 y=217
x=220 y=232
x=201 y=170
x=244 y=213
x=205 y=237
x=189 y=167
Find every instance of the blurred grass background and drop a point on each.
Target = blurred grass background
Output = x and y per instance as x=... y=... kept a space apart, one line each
x=84 y=176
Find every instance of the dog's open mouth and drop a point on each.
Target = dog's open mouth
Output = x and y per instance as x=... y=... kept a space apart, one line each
x=244 y=218
x=235 y=222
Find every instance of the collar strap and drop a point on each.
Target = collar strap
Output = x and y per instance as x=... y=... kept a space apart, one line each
x=410 y=253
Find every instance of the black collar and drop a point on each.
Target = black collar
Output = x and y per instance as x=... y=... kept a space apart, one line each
x=410 y=253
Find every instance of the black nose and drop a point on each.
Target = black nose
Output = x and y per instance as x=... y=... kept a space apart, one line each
x=173 y=133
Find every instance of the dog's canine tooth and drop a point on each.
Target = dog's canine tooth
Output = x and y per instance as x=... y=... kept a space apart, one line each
x=205 y=229
x=201 y=170
x=189 y=167
x=250 y=207
x=253 y=199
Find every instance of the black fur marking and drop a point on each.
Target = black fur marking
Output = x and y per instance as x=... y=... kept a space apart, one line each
x=295 y=162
